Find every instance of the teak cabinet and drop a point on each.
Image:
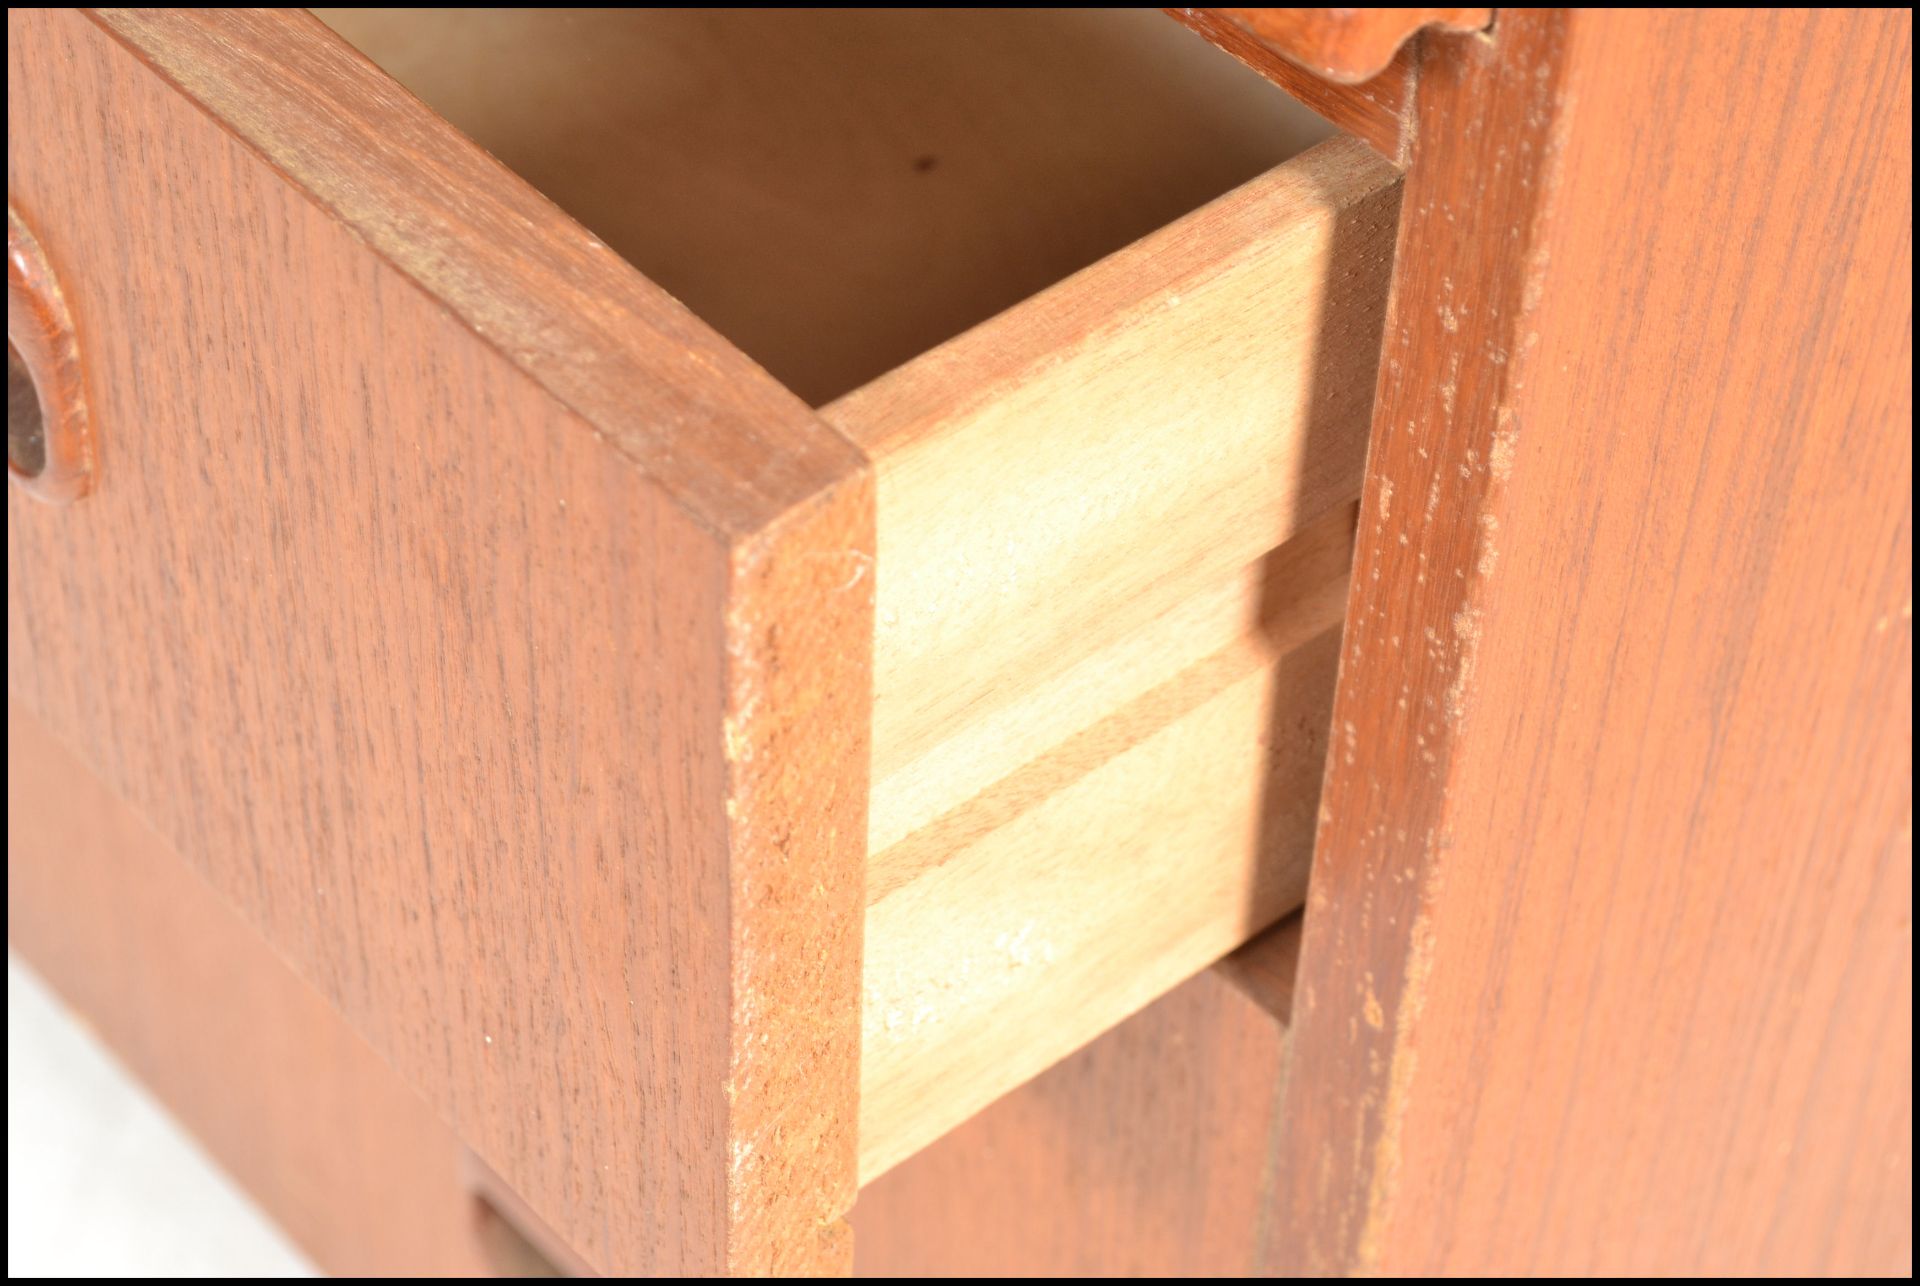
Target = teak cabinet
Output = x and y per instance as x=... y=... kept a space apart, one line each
x=535 y=785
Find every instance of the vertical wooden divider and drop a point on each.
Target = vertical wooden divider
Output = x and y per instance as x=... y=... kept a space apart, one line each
x=1607 y=960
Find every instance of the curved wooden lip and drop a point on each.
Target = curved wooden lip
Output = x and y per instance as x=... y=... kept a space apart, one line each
x=41 y=331
x=1347 y=46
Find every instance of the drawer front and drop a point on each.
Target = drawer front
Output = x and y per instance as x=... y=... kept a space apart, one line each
x=428 y=598
x=1113 y=521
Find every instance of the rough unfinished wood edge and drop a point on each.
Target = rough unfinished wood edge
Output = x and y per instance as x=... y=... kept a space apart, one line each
x=1441 y=451
x=797 y=730
x=1378 y=110
x=797 y=734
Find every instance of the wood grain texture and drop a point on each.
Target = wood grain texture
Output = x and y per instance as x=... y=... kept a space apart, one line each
x=1085 y=462
x=1608 y=955
x=1060 y=900
x=278 y=1088
x=1080 y=650
x=1347 y=46
x=1376 y=110
x=486 y=630
x=839 y=190
x=1145 y=1154
x=730 y=445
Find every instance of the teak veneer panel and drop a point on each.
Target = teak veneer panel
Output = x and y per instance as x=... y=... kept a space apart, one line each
x=479 y=623
x=1607 y=964
x=279 y=1089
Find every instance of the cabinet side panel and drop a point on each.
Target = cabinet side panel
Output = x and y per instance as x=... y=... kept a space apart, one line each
x=1618 y=977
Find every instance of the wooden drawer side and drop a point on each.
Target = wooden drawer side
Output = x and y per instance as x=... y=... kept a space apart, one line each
x=1114 y=531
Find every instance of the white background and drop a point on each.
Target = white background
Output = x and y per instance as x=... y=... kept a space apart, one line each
x=100 y=1180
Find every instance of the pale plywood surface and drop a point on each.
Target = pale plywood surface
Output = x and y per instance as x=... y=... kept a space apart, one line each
x=917 y=808
x=1072 y=892
x=1051 y=481
x=1100 y=691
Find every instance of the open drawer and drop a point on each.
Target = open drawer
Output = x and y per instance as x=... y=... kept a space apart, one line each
x=705 y=800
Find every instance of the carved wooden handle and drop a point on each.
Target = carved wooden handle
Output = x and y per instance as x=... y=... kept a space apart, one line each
x=50 y=448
